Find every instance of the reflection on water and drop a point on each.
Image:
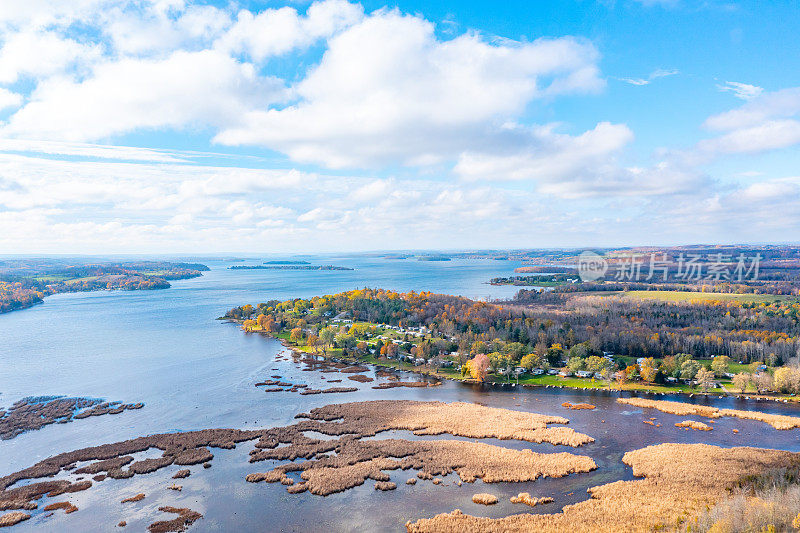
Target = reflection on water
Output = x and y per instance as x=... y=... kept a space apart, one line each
x=166 y=349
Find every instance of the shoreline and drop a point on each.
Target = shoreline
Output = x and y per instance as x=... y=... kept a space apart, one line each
x=495 y=384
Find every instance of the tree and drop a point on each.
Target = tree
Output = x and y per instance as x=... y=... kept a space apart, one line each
x=296 y=335
x=741 y=381
x=689 y=369
x=721 y=364
x=575 y=364
x=362 y=347
x=762 y=381
x=555 y=353
x=327 y=336
x=648 y=369
x=704 y=378
x=786 y=379
x=514 y=350
x=596 y=364
x=529 y=361
x=621 y=377
x=479 y=347
x=313 y=341
x=248 y=325
x=498 y=362
x=479 y=366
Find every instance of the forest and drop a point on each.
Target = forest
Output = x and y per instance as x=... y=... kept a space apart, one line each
x=24 y=283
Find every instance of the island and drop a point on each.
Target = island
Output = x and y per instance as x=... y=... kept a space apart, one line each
x=26 y=282
x=288 y=267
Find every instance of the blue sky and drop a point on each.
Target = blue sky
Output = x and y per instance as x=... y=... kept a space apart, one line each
x=175 y=126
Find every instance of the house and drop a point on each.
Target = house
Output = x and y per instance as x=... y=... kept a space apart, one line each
x=419 y=362
x=583 y=374
x=565 y=373
x=598 y=375
x=553 y=371
x=537 y=371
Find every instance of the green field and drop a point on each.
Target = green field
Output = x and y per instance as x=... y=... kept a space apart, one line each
x=686 y=296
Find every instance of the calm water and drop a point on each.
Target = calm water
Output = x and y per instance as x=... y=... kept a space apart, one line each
x=166 y=349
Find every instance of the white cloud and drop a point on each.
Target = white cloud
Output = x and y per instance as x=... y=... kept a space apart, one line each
x=741 y=90
x=141 y=30
x=90 y=150
x=277 y=31
x=9 y=99
x=656 y=74
x=387 y=90
x=549 y=158
x=188 y=88
x=768 y=135
x=41 y=53
x=783 y=103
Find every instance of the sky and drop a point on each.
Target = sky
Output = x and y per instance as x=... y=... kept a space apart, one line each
x=175 y=126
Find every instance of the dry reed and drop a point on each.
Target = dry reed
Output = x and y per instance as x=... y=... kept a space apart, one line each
x=524 y=497
x=680 y=482
x=67 y=506
x=578 y=405
x=693 y=424
x=13 y=518
x=185 y=518
x=484 y=498
x=683 y=409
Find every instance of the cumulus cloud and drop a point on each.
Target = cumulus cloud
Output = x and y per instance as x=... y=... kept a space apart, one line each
x=196 y=89
x=277 y=31
x=778 y=104
x=388 y=90
x=9 y=99
x=41 y=53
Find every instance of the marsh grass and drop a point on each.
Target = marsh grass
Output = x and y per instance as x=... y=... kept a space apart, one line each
x=680 y=483
x=687 y=409
x=484 y=498
x=765 y=502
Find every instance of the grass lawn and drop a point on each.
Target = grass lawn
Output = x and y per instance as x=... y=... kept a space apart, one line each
x=686 y=296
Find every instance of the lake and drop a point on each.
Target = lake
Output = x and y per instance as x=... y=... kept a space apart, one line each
x=165 y=348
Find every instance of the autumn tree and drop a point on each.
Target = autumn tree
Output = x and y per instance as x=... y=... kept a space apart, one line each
x=327 y=336
x=689 y=369
x=313 y=341
x=479 y=366
x=741 y=381
x=530 y=361
x=786 y=379
x=648 y=369
x=720 y=365
x=704 y=378
x=248 y=325
x=296 y=335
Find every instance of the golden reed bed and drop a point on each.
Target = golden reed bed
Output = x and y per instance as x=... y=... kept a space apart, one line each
x=525 y=497
x=680 y=481
x=684 y=409
x=693 y=424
